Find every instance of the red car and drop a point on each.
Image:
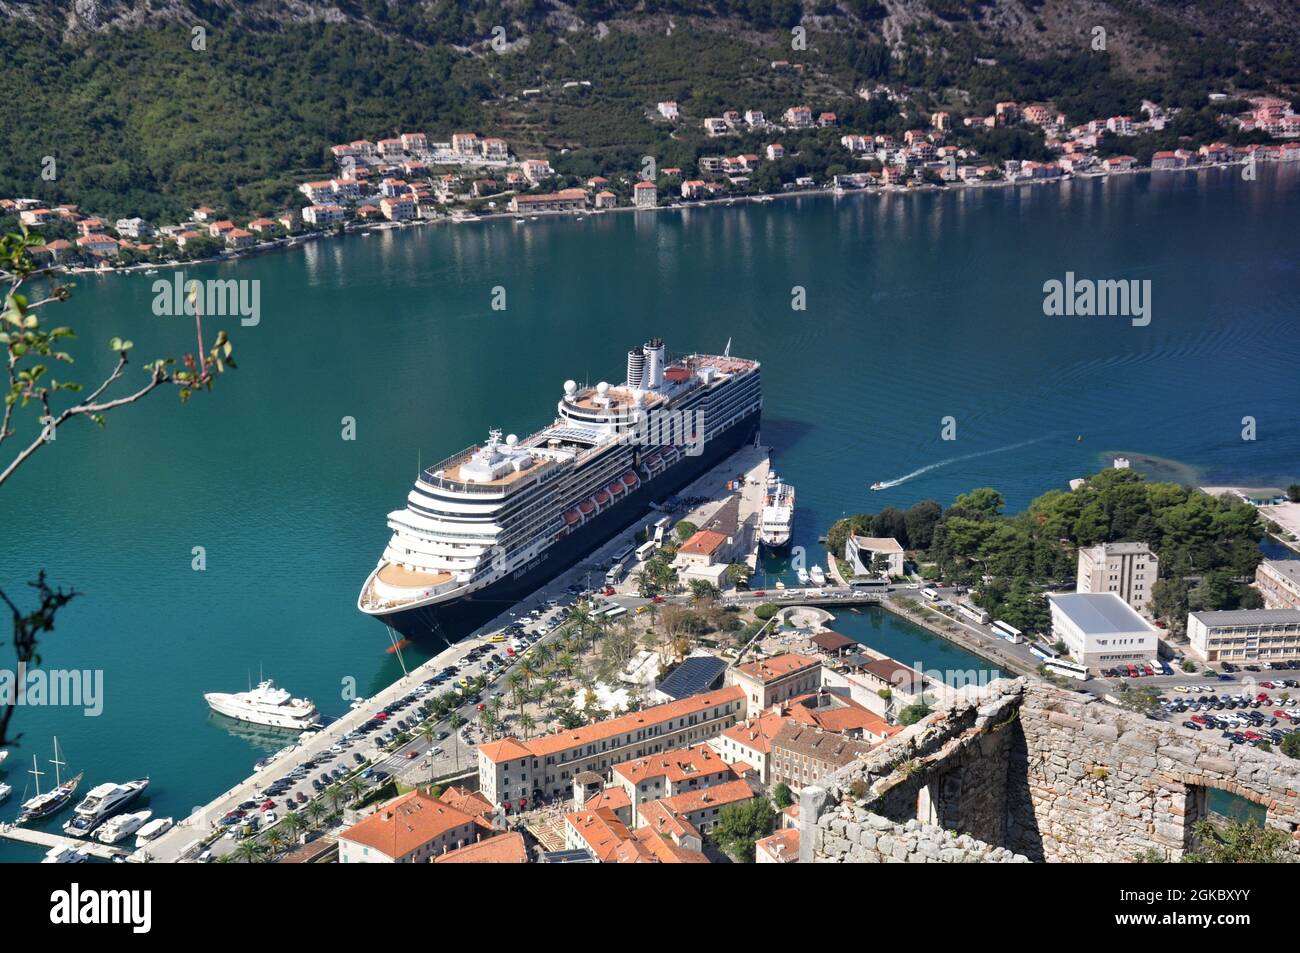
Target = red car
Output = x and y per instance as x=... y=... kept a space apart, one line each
x=1132 y=670
x=1281 y=714
x=409 y=755
x=1261 y=698
x=381 y=716
x=1148 y=669
x=761 y=592
x=609 y=590
x=1267 y=685
x=266 y=805
x=657 y=600
x=481 y=706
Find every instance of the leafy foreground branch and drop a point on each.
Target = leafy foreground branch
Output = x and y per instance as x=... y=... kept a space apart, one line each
x=28 y=343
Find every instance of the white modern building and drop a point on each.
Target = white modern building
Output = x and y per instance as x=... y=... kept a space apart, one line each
x=1101 y=630
x=860 y=551
x=1127 y=569
x=1245 y=635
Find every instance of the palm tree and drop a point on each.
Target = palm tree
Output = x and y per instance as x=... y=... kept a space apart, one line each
x=526 y=723
x=335 y=794
x=316 y=811
x=488 y=719
x=274 y=839
x=293 y=823
x=249 y=850
x=454 y=723
x=356 y=787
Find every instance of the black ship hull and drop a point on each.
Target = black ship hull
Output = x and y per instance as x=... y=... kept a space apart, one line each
x=456 y=618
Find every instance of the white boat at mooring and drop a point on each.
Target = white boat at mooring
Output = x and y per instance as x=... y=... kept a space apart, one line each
x=266 y=705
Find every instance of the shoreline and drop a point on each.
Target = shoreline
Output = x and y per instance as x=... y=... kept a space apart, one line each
x=291 y=242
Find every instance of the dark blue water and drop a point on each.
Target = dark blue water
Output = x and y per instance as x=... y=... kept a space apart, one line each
x=920 y=307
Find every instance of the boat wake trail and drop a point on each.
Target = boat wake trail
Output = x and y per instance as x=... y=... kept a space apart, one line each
x=889 y=484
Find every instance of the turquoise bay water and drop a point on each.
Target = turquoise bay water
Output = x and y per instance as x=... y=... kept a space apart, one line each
x=919 y=307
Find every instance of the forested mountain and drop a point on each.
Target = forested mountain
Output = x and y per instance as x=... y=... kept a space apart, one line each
x=149 y=106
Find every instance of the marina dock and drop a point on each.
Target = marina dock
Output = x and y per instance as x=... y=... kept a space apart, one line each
x=47 y=839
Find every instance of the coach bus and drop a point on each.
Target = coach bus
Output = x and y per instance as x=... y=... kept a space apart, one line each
x=1008 y=632
x=1067 y=668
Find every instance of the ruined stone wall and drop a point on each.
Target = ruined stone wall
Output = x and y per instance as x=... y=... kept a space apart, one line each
x=1095 y=782
x=1044 y=773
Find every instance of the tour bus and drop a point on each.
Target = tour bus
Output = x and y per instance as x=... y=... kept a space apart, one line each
x=930 y=594
x=1008 y=632
x=615 y=574
x=973 y=612
x=870 y=583
x=645 y=550
x=1066 y=667
x=661 y=527
x=613 y=612
x=1044 y=652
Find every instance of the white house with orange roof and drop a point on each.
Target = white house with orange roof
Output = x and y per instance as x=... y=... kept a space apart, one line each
x=412 y=829
x=672 y=772
x=750 y=742
x=701 y=808
x=766 y=682
x=779 y=848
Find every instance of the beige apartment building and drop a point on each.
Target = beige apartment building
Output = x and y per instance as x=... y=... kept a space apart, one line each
x=512 y=773
x=775 y=679
x=1245 y=635
x=1127 y=569
x=1278 y=581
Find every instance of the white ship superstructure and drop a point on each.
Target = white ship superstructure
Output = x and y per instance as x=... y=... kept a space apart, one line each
x=483 y=521
x=777 y=517
x=101 y=803
x=116 y=828
x=265 y=705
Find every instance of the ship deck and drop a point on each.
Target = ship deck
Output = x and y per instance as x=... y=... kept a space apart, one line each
x=394 y=575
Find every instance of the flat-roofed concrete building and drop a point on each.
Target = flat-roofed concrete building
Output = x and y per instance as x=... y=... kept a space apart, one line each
x=772 y=680
x=1278 y=581
x=1245 y=635
x=1127 y=569
x=512 y=773
x=1101 y=630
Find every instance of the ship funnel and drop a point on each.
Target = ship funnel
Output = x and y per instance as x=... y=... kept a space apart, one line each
x=654 y=363
x=636 y=367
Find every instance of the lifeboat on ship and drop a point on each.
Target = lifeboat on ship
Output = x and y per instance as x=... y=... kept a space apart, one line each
x=630 y=479
x=587 y=507
x=571 y=518
x=601 y=497
x=615 y=488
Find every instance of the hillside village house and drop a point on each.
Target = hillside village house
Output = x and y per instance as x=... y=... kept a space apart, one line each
x=566 y=200
x=645 y=195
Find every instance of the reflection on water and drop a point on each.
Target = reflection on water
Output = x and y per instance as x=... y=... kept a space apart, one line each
x=261 y=737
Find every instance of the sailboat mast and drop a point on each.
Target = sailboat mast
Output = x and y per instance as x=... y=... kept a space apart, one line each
x=57 y=763
x=36 y=772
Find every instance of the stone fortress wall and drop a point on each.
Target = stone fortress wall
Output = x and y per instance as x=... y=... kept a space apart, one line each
x=1032 y=772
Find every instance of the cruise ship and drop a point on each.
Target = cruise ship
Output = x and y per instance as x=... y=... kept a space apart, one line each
x=778 y=513
x=266 y=705
x=491 y=523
